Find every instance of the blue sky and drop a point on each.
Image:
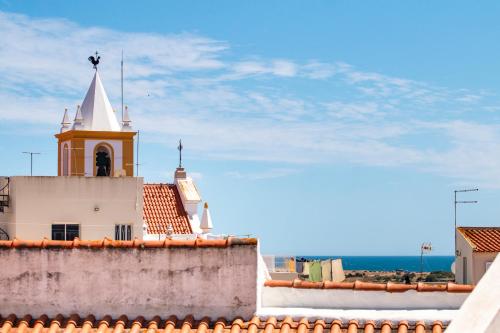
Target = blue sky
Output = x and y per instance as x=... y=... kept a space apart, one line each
x=322 y=127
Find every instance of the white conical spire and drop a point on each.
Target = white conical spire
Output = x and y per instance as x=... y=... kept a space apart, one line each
x=65 y=123
x=126 y=122
x=96 y=111
x=206 y=220
x=78 y=122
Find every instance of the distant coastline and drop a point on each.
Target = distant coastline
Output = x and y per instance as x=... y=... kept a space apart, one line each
x=391 y=263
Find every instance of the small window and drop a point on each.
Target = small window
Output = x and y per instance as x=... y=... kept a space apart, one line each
x=488 y=264
x=65 y=231
x=123 y=232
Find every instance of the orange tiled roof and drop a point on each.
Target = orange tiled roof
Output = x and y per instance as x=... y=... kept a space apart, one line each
x=359 y=285
x=90 y=324
x=163 y=206
x=482 y=239
x=136 y=243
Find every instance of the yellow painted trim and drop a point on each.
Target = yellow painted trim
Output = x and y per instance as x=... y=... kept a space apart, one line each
x=65 y=159
x=59 y=171
x=112 y=157
x=94 y=135
x=128 y=157
x=77 y=153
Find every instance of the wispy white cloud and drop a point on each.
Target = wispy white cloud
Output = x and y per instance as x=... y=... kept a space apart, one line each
x=263 y=175
x=184 y=85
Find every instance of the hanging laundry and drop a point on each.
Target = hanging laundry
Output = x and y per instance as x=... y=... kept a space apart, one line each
x=326 y=270
x=307 y=268
x=337 y=271
x=291 y=265
x=300 y=267
x=315 y=272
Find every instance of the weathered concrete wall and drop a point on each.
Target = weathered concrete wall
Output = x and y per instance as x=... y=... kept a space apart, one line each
x=95 y=203
x=210 y=282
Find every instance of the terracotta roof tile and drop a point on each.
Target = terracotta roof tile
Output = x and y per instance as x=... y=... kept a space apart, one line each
x=136 y=243
x=12 y=324
x=163 y=206
x=370 y=286
x=482 y=239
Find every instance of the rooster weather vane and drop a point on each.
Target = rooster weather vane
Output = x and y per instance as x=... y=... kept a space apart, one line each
x=95 y=60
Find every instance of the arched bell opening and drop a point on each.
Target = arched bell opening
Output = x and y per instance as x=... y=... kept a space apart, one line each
x=103 y=154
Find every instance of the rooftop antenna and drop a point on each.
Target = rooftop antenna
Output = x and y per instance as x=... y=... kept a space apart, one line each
x=461 y=202
x=95 y=60
x=137 y=158
x=424 y=248
x=122 y=83
x=180 y=147
x=31 y=153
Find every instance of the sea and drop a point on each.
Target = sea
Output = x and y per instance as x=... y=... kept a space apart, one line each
x=391 y=263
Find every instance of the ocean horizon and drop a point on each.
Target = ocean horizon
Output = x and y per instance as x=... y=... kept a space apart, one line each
x=391 y=263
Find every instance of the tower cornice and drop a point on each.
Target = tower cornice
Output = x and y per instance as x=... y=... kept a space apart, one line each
x=72 y=134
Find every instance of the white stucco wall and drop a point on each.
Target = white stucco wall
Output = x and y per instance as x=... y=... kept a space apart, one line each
x=90 y=158
x=214 y=282
x=39 y=202
x=476 y=262
x=359 y=299
x=465 y=250
x=479 y=265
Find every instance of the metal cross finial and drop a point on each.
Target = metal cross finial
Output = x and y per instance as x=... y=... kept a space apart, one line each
x=180 y=147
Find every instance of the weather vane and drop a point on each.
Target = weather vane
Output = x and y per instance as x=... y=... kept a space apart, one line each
x=180 y=147
x=95 y=60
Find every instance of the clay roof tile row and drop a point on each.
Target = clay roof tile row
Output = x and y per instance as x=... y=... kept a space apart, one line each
x=163 y=207
x=482 y=239
x=370 y=286
x=136 y=243
x=89 y=324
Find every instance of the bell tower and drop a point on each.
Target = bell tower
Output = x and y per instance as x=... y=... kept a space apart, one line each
x=96 y=144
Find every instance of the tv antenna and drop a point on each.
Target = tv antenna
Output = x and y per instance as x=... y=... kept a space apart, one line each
x=122 y=83
x=424 y=248
x=461 y=202
x=31 y=153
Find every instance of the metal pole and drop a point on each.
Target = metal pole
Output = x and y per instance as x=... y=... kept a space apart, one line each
x=455 y=229
x=455 y=225
x=137 y=149
x=31 y=160
x=421 y=261
x=122 y=84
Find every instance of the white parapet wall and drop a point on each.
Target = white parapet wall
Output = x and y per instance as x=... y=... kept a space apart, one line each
x=360 y=299
x=202 y=281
